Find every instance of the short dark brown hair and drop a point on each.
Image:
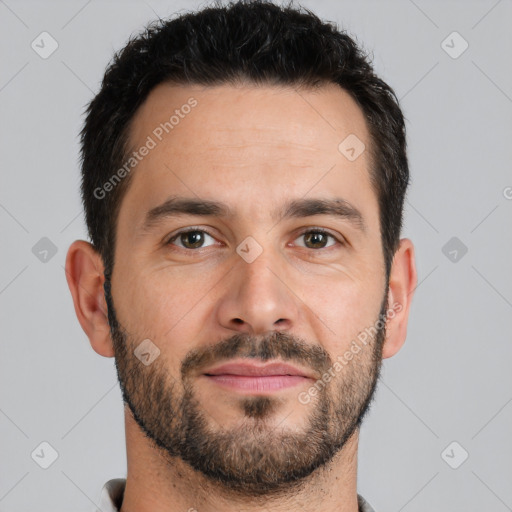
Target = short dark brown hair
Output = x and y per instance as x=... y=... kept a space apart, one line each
x=256 y=42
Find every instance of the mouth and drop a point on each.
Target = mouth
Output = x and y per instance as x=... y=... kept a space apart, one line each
x=252 y=378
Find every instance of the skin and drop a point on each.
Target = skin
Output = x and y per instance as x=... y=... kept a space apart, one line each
x=253 y=148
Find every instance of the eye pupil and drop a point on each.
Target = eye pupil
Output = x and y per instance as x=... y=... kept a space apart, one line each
x=316 y=237
x=192 y=239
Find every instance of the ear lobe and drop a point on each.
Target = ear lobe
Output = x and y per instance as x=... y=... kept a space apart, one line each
x=85 y=278
x=402 y=283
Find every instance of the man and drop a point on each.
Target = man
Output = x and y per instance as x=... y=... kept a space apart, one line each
x=244 y=173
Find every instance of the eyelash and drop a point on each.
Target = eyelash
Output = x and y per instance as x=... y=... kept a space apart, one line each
x=302 y=233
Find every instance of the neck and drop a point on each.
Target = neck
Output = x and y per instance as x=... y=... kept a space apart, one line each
x=156 y=483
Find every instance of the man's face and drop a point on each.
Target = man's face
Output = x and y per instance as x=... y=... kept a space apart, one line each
x=254 y=284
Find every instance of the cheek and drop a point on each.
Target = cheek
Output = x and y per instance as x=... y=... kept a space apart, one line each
x=345 y=310
x=166 y=308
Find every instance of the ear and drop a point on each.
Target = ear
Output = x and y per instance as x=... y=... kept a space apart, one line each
x=402 y=283
x=85 y=277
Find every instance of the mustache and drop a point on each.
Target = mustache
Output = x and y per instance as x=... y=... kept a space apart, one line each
x=277 y=345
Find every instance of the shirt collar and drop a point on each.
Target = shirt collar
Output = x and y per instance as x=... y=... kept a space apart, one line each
x=112 y=495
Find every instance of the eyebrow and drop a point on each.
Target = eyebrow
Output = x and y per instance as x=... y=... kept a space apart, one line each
x=298 y=208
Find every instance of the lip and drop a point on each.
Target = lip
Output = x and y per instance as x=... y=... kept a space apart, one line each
x=247 y=377
x=249 y=369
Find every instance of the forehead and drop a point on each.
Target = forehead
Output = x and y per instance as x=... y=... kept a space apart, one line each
x=248 y=146
x=224 y=116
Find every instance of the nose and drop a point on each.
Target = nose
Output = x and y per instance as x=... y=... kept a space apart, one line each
x=258 y=297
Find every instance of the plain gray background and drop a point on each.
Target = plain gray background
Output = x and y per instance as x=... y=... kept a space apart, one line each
x=452 y=379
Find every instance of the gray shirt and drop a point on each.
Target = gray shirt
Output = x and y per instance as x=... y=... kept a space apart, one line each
x=113 y=491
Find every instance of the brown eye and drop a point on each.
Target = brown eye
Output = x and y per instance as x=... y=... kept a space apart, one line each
x=316 y=239
x=191 y=239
